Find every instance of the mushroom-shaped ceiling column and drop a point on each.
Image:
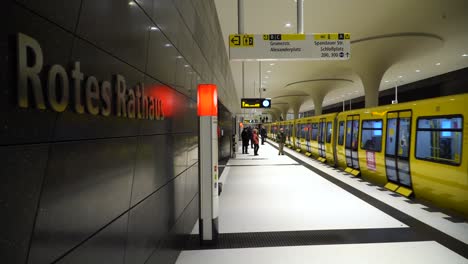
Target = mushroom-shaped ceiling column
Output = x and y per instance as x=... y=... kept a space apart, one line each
x=281 y=106
x=318 y=89
x=372 y=56
x=295 y=101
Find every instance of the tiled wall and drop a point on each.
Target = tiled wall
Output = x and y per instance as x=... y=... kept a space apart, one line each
x=79 y=188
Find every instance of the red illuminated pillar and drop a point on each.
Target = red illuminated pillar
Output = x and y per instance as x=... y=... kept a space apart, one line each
x=208 y=146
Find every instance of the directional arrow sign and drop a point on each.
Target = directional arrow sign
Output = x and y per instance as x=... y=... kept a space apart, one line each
x=234 y=40
x=319 y=46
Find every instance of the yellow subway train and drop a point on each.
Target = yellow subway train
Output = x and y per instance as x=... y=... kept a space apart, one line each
x=416 y=148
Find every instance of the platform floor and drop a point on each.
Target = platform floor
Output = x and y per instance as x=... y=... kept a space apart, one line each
x=293 y=209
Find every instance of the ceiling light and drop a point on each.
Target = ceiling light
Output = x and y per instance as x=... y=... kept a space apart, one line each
x=437 y=64
x=465 y=55
x=154 y=28
x=268 y=71
x=167 y=45
x=266 y=77
x=272 y=64
x=400 y=76
x=179 y=57
x=418 y=70
x=131 y=3
x=288 y=25
x=386 y=81
x=186 y=65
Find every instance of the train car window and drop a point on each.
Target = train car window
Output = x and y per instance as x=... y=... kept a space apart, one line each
x=307 y=132
x=371 y=135
x=341 y=133
x=354 y=144
x=329 y=131
x=349 y=124
x=439 y=139
x=314 y=131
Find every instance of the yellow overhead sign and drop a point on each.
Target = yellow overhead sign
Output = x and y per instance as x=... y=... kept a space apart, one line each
x=241 y=40
x=318 y=46
x=332 y=36
x=284 y=37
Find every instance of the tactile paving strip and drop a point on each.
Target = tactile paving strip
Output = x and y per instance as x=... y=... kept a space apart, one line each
x=315 y=237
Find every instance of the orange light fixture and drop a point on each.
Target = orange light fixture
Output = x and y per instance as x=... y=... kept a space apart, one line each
x=207 y=99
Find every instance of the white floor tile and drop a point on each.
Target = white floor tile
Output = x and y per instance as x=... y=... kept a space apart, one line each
x=427 y=252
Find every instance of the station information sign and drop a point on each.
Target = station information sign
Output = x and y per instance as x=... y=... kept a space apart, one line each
x=255 y=103
x=318 y=46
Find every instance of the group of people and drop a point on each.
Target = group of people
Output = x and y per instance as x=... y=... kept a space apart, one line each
x=250 y=136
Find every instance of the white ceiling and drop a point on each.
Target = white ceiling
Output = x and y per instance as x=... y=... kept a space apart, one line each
x=392 y=41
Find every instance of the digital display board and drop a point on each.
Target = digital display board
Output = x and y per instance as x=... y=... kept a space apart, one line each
x=255 y=103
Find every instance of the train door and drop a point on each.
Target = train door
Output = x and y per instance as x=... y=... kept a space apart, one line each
x=351 y=146
x=299 y=138
x=308 y=128
x=322 y=138
x=397 y=147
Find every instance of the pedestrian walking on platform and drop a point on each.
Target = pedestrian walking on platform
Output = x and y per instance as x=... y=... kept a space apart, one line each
x=281 y=138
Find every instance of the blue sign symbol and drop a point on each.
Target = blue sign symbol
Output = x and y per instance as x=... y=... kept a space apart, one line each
x=266 y=103
x=341 y=54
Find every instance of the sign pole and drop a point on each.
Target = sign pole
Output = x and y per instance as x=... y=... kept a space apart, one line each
x=300 y=17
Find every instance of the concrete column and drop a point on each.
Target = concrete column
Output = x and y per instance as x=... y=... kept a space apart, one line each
x=284 y=113
x=296 y=110
x=371 y=82
x=318 y=101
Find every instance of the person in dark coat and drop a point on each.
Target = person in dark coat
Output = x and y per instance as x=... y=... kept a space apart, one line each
x=249 y=132
x=245 y=141
x=263 y=133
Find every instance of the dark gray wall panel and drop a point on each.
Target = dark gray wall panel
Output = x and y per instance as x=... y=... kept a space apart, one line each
x=187 y=12
x=104 y=67
x=180 y=153
x=22 y=172
x=149 y=222
x=21 y=125
x=192 y=145
x=179 y=192
x=191 y=184
x=88 y=184
x=64 y=13
x=170 y=103
x=117 y=27
x=101 y=166
x=192 y=212
x=162 y=57
x=147 y=6
x=153 y=166
x=107 y=246
x=168 y=19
